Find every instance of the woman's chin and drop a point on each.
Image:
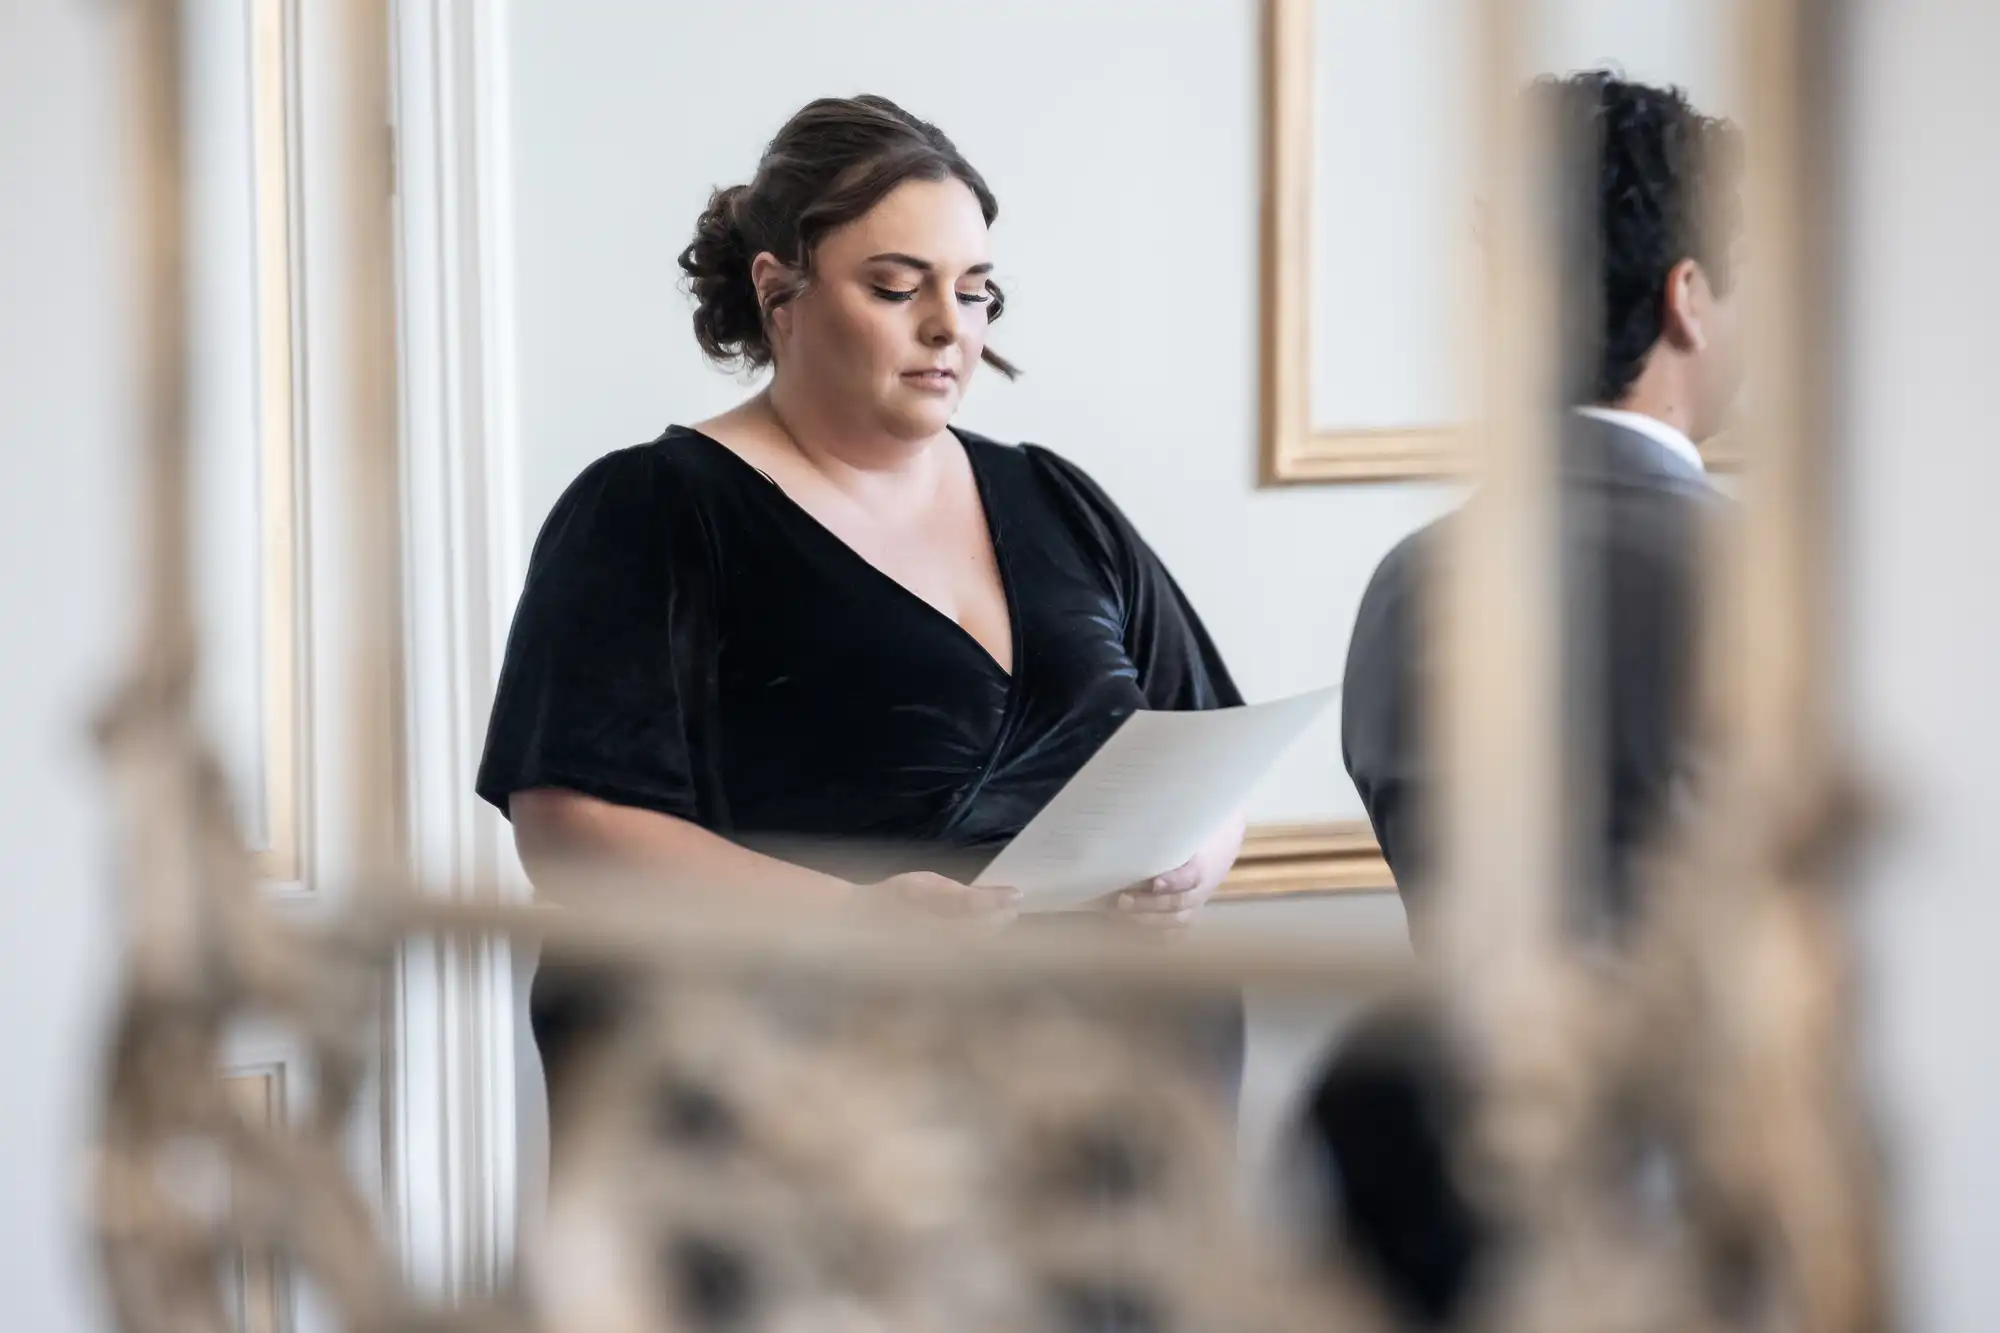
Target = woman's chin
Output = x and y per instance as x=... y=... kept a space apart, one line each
x=919 y=420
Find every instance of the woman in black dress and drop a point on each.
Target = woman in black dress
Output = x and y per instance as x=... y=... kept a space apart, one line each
x=824 y=645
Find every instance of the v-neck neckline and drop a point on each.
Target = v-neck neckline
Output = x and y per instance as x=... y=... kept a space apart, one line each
x=993 y=538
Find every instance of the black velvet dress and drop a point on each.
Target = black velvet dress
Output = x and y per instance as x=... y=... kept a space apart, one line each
x=689 y=640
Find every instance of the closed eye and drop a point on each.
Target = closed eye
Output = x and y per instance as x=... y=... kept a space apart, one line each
x=910 y=294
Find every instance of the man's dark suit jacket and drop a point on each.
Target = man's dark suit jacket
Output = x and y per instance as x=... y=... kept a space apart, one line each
x=1629 y=548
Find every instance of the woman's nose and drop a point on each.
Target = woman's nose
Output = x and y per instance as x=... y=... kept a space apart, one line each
x=940 y=326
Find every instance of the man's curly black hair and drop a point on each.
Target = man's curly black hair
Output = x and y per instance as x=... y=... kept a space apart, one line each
x=1651 y=181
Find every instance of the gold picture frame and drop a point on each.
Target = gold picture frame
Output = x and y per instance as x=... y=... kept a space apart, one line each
x=1310 y=859
x=1292 y=450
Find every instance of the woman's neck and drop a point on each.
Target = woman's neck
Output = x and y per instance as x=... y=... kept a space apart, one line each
x=853 y=459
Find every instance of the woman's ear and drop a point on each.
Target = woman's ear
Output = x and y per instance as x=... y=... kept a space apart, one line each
x=771 y=277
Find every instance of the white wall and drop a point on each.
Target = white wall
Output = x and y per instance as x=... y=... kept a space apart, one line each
x=1923 y=627
x=65 y=423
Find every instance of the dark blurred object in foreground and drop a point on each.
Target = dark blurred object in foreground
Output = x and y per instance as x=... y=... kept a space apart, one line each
x=1378 y=1122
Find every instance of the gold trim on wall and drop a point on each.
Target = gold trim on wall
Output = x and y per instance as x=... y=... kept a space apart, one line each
x=274 y=122
x=1290 y=860
x=1292 y=450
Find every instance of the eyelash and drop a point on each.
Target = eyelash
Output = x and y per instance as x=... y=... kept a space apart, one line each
x=964 y=298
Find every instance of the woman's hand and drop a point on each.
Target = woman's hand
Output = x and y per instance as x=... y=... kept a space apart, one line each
x=934 y=895
x=1170 y=900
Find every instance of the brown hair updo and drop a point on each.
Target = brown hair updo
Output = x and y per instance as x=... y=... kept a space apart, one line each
x=831 y=163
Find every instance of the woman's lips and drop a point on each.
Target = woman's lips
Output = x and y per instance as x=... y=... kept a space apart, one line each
x=931 y=381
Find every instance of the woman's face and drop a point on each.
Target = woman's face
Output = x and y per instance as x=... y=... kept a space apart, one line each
x=891 y=326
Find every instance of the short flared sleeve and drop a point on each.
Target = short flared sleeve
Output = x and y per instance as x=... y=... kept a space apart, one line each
x=610 y=661
x=1179 y=667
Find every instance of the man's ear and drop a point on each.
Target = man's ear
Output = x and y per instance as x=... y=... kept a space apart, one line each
x=1687 y=301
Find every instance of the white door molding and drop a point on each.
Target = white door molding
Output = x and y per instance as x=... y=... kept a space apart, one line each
x=451 y=1137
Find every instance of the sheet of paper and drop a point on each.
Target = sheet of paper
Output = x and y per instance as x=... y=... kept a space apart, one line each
x=1147 y=800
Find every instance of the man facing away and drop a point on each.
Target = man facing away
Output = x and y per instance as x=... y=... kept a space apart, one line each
x=1652 y=362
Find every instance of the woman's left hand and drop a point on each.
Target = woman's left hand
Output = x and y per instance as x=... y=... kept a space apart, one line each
x=1171 y=899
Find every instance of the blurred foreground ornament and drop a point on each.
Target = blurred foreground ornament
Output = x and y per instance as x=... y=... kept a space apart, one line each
x=833 y=1125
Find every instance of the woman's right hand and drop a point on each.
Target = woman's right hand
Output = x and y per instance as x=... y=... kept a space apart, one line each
x=934 y=895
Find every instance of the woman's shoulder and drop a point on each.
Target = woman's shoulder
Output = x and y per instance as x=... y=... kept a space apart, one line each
x=640 y=491
x=676 y=452
x=1037 y=461
x=676 y=464
x=1060 y=483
